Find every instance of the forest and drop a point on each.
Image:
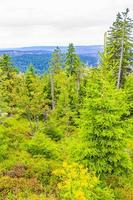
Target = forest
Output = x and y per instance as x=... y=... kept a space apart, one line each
x=40 y=56
x=67 y=134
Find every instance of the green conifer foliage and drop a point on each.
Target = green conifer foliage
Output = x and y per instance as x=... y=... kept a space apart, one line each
x=7 y=84
x=55 y=67
x=102 y=125
x=72 y=61
x=56 y=61
x=119 y=46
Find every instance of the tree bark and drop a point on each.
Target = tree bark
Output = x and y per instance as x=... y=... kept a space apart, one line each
x=119 y=79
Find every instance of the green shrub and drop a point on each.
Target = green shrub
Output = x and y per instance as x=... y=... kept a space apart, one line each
x=40 y=144
x=53 y=132
x=4 y=144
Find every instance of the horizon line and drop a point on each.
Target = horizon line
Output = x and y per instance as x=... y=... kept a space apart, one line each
x=78 y=45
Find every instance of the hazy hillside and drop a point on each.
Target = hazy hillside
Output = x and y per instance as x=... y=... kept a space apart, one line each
x=39 y=56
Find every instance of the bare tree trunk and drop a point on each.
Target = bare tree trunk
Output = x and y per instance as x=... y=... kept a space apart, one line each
x=52 y=90
x=119 y=79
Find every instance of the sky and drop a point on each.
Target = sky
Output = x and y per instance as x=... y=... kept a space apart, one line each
x=57 y=22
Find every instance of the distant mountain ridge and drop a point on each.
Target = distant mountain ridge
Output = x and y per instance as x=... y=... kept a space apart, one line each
x=39 y=56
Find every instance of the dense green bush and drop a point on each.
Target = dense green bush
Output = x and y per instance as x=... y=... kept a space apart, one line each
x=41 y=145
x=52 y=131
x=4 y=143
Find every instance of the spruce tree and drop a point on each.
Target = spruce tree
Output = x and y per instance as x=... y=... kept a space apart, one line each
x=72 y=62
x=119 y=46
x=8 y=75
x=31 y=97
x=74 y=70
x=55 y=67
x=56 y=60
x=102 y=126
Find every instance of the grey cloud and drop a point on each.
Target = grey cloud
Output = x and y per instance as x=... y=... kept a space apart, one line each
x=33 y=22
x=57 y=23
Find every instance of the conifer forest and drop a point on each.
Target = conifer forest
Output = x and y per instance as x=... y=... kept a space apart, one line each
x=67 y=134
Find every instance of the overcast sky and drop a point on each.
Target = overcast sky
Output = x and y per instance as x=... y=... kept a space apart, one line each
x=57 y=22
